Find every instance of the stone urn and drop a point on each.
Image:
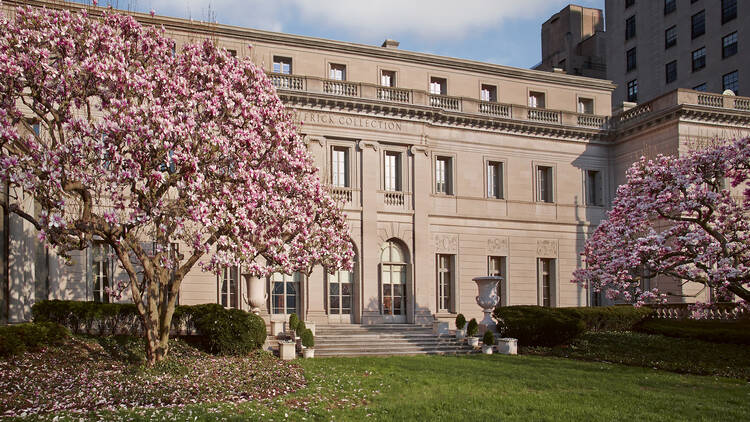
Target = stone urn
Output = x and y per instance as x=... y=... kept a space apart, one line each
x=487 y=300
x=256 y=293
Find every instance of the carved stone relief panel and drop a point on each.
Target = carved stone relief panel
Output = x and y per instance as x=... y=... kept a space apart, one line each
x=546 y=248
x=446 y=243
x=497 y=246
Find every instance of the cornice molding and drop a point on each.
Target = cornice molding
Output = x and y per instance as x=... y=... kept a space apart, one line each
x=369 y=144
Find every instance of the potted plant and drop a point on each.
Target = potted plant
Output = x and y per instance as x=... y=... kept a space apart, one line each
x=460 y=324
x=308 y=342
x=487 y=342
x=301 y=328
x=293 y=322
x=471 y=330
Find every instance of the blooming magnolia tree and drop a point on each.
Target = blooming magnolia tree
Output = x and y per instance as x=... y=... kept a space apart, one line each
x=676 y=217
x=121 y=139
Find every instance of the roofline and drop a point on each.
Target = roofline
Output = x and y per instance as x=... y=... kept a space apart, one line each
x=338 y=46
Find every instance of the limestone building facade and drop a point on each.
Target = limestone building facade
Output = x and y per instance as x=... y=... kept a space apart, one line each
x=447 y=169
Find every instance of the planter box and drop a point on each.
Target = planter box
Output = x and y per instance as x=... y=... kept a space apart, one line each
x=507 y=346
x=461 y=334
x=308 y=353
x=277 y=327
x=486 y=349
x=473 y=341
x=287 y=351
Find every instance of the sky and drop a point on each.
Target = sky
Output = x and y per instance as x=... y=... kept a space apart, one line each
x=504 y=32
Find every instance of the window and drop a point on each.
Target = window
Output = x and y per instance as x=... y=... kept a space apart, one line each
x=387 y=78
x=728 y=10
x=585 y=105
x=438 y=86
x=730 y=81
x=488 y=93
x=392 y=171
x=546 y=277
x=702 y=87
x=282 y=65
x=630 y=60
x=670 y=6
x=698 y=24
x=232 y=52
x=633 y=91
x=729 y=45
x=629 y=3
x=443 y=176
x=594 y=188
x=445 y=281
x=671 y=71
x=536 y=99
x=670 y=37
x=393 y=273
x=340 y=166
x=102 y=266
x=699 y=59
x=337 y=72
x=284 y=289
x=496 y=265
x=340 y=292
x=544 y=184
x=495 y=179
x=630 y=27
x=229 y=285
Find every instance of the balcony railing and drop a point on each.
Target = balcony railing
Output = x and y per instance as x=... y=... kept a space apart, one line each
x=342 y=194
x=546 y=116
x=346 y=89
x=742 y=104
x=282 y=81
x=711 y=100
x=445 y=102
x=589 y=120
x=394 y=198
x=394 y=94
x=494 y=109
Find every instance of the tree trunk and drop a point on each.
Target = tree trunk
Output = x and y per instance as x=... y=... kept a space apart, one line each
x=157 y=338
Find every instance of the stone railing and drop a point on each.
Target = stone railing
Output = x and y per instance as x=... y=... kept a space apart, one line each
x=394 y=94
x=445 y=102
x=546 y=116
x=394 y=198
x=342 y=194
x=343 y=88
x=635 y=112
x=589 y=120
x=721 y=311
x=290 y=82
x=711 y=100
x=742 y=104
x=495 y=109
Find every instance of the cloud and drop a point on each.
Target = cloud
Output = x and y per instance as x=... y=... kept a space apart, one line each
x=368 y=19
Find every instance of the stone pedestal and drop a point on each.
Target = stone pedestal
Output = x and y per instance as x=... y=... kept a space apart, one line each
x=287 y=351
x=487 y=300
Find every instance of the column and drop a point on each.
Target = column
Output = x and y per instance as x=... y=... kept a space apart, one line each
x=369 y=278
x=424 y=261
x=313 y=309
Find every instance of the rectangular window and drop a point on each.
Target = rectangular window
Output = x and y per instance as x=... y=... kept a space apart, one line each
x=495 y=179
x=337 y=72
x=633 y=91
x=101 y=271
x=729 y=45
x=536 y=99
x=585 y=105
x=670 y=37
x=670 y=6
x=630 y=60
x=488 y=93
x=730 y=81
x=728 y=10
x=544 y=184
x=387 y=78
x=445 y=281
x=630 y=27
x=443 y=175
x=670 y=71
x=546 y=277
x=594 y=188
x=699 y=59
x=438 y=86
x=392 y=171
x=698 y=24
x=702 y=87
x=229 y=284
x=340 y=167
x=496 y=265
x=282 y=65
x=284 y=289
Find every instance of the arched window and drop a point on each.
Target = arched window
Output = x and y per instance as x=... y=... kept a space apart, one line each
x=284 y=291
x=393 y=271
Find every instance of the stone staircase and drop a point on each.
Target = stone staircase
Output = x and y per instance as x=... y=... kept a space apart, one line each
x=384 y=340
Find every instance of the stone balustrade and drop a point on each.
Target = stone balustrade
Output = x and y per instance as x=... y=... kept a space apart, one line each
x=721 y=311
x=343 y=195
x=445 y=102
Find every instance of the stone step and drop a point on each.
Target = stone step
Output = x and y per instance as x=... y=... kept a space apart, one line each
x=354 y=342
x=349 y=353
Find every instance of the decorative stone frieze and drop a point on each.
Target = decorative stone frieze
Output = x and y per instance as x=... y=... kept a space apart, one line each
x=497 y=246
x=446 y=243
x=546 y=248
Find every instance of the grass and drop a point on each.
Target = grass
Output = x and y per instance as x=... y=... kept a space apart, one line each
x=654 y=351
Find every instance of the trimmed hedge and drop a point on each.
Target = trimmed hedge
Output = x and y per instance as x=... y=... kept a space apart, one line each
x=15 y=339
x=733 y=332
x=537 y=325
x=220 y=330
x=609 y=318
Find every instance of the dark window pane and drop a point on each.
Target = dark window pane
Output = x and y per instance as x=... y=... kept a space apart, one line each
x=698 y=21
x=335 y=304
x=728 y=10
x=334 y=288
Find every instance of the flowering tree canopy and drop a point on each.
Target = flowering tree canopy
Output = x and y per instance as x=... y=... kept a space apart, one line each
x=676 y=217
x=123 y=139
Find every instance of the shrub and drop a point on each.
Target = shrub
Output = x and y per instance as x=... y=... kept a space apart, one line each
x=472 y=328
x=227 y=331
x=308 y=340
x=293 y=322
x=609 y=318
x=301 y=327
x=734 y=332
x=460 y=321
x=489 y=338
x=15 y=339
x=537 y=325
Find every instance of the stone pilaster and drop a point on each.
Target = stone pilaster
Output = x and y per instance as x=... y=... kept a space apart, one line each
x=369 y=286
x=424 y=261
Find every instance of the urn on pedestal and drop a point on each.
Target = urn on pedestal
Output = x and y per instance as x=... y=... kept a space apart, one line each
x=487 y=300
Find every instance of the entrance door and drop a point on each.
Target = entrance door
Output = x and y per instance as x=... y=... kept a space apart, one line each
x=393 y=270
x=340 y=288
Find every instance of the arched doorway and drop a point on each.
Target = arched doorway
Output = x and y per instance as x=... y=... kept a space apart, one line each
x=341 y=298
x=393 y=276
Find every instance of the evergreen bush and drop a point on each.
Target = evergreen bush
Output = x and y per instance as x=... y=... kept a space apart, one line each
x=488 y=339
x=293 y=321
x=460 y=321
x=308 y=339
x=473 y=328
